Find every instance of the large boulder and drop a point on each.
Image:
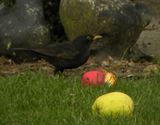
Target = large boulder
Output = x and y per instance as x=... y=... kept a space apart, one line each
x=154 y=6
x=22 y=25
x=120 y=21
x=149 y=40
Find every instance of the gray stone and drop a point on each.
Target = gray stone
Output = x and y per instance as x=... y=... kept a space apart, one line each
x=23 y=25
x=120 y=21
x=149 y=40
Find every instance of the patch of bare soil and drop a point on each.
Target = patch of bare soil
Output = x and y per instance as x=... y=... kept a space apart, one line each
x=8 y=67
x=122 y=68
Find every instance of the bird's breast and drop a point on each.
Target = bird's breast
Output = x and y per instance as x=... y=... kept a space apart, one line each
x=71 y=63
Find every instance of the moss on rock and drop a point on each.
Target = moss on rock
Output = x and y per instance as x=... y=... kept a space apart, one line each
x=120 y=20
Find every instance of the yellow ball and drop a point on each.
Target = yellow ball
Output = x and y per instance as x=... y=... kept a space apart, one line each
x=113 y=104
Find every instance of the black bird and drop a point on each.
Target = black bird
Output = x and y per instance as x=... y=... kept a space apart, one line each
x=66 y=55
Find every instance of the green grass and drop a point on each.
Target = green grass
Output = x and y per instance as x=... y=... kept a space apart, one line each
x=38 y=99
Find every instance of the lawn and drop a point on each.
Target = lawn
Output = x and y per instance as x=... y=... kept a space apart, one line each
x=38 y=99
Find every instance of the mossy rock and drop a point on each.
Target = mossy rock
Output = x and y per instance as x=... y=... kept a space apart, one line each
x=120 y=21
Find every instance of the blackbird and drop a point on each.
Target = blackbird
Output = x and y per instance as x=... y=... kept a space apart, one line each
x=65 y=55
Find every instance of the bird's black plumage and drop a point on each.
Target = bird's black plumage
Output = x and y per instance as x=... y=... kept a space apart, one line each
x=66 y=55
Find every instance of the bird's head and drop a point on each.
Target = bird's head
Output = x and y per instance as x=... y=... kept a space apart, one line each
x=93 y=38
x=89 y=38
x=86 y=40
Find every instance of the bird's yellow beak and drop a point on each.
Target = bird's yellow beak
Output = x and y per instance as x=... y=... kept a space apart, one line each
x=97 y=37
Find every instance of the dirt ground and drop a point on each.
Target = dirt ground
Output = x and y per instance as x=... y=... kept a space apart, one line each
x=122 y=68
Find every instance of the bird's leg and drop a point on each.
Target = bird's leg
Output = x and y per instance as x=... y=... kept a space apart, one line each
x=58 y=70
x=61 y=70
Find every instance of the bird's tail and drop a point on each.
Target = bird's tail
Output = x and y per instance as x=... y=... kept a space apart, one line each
x=29 y=51
x=21 y=49
x=25 y=50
